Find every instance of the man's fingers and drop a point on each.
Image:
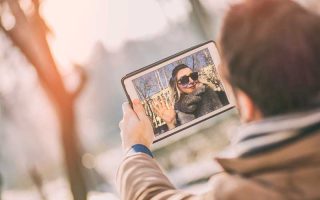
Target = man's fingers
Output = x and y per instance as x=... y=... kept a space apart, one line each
x=139 y=110
x=121 y=124
x=127 y=111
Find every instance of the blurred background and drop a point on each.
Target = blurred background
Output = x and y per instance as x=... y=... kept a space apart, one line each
x=61 y=62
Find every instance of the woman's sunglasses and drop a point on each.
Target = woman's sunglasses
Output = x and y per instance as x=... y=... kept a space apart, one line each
x=184 y=80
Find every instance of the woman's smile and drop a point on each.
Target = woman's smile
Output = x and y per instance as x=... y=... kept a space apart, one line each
x=191 y=85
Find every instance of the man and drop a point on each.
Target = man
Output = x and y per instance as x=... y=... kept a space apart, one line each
x=271 y=57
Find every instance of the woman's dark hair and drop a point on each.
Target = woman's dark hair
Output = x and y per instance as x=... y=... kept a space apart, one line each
x=173 y=81
x=177 y=69
x=271 y=50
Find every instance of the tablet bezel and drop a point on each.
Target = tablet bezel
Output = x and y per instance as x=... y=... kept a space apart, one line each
x=127 y=83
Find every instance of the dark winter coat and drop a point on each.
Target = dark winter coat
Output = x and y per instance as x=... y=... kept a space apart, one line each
x=191 y=106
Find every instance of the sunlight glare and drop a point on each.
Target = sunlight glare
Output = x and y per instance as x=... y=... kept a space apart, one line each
x=79 y=24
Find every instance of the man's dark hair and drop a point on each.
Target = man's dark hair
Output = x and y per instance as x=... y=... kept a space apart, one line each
x=271 y=49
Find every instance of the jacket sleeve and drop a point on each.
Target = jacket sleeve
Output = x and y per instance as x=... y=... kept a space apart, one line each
x=140 y=178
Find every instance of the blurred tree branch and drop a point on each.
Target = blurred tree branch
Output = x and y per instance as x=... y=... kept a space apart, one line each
x=37 y=180
x=28 y=32
x=82 y=82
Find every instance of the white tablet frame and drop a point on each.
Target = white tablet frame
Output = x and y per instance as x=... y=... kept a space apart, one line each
x=131 y=92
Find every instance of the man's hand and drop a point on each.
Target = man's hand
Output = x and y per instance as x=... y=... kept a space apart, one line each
x=135 y=126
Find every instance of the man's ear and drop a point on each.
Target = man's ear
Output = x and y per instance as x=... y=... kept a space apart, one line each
x=248 y=110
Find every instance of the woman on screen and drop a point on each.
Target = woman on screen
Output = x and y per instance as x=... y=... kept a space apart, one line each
x=190 y=98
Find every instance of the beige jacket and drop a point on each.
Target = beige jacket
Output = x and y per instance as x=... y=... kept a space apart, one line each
x=284 y=167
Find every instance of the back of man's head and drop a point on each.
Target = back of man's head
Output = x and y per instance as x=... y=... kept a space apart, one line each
x=271 y=49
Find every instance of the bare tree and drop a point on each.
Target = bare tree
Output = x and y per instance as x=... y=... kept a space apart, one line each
x=29 y=34
x=144 y=87
x=212 y=76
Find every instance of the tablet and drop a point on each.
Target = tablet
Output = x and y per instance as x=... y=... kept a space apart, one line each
x=180 y=91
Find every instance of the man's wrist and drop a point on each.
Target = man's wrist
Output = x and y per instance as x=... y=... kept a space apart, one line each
x=139 y=148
